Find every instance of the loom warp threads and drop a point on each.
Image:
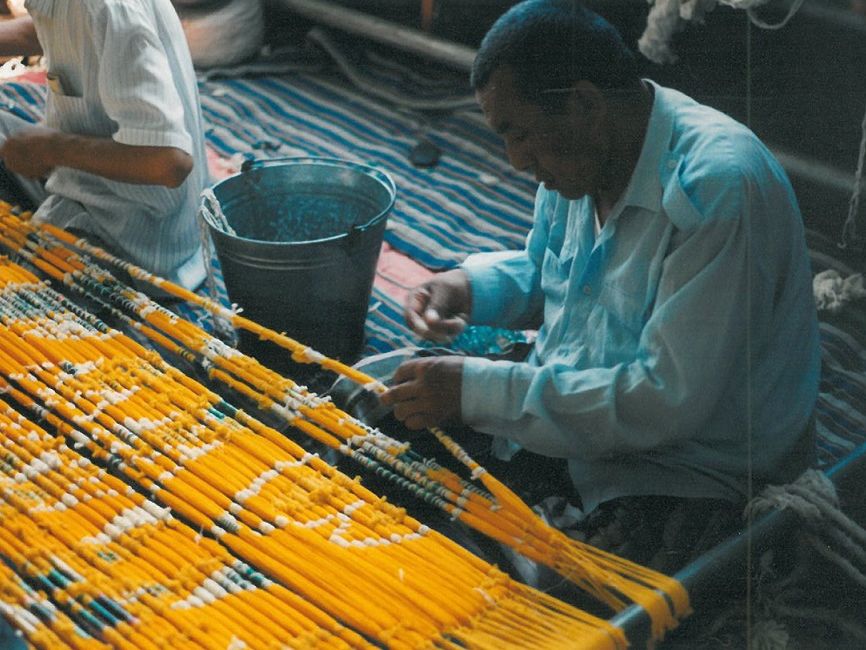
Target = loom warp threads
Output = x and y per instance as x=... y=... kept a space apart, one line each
x=261 y=498
x=220 y=531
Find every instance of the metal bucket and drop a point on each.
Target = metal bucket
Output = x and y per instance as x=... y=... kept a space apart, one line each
x=298 y=240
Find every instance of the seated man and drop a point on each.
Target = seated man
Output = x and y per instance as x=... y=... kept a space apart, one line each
x=676 y=364
x=121 y=151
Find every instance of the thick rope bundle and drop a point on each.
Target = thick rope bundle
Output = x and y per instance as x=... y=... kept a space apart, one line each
x=784 y=603
x=830 y=532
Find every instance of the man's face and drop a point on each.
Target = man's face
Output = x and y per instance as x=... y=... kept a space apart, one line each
x=563 y=150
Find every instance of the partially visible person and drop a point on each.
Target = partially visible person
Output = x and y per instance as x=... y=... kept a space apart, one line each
x=120 y=154
x=676 y=364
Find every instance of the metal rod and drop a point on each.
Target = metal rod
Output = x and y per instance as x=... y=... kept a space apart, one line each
x=384 y=31
x=719 y=567
x=815 y=171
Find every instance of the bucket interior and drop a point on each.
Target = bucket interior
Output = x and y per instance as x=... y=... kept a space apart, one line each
x=294 y=203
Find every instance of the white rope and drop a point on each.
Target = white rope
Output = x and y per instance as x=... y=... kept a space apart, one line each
x=833 y=291
x=221 y=325
x=211 y=211
x=852 y=234
x=666 y=18
x=751 y=5
x=831 y=533
x=662 y=22
x=848 y=567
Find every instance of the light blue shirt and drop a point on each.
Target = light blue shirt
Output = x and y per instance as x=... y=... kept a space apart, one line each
x=677 y=351
x=122 y=69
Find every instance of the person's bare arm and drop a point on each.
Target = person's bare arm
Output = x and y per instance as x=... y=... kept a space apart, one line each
x=35 y=151
x=18 y=37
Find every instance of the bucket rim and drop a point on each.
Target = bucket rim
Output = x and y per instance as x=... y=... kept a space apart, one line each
x=251 y=164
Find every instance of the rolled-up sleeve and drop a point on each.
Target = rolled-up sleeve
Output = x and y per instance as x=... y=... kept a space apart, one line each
x=135 y=83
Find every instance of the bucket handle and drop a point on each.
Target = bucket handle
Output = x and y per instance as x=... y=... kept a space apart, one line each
x=250 y=164
x=212 y=212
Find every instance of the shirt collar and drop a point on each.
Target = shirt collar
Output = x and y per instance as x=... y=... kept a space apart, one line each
x=644 y=189
x=45 y=7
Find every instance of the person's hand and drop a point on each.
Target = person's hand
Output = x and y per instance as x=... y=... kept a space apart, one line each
x=426 y=392
x=439 y=308
x=30 y=151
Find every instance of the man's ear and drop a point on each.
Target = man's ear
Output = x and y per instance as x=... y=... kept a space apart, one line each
x=588 y=101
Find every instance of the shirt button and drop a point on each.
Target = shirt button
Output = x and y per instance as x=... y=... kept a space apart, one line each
x=587 y=290
x=672 y=164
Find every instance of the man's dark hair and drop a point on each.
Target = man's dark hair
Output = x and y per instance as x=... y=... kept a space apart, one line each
x=551 y=44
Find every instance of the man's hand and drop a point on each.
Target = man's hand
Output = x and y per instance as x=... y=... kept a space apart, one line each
x=438 y=309
x=426 y=391
x=30 y=151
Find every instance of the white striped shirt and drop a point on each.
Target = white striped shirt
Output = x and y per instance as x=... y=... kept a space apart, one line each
x=122 y=69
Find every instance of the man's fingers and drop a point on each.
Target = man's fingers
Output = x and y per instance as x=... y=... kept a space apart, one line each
x=444 y=330
x=435 y=309
x=417 y=323
x=410 y=411
x=397 y=394
x=406 y=371
x=418 y=298
x=452 y=326
x=415 y=307
x=415 y=414
x=404 y=386
x=425 y=391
